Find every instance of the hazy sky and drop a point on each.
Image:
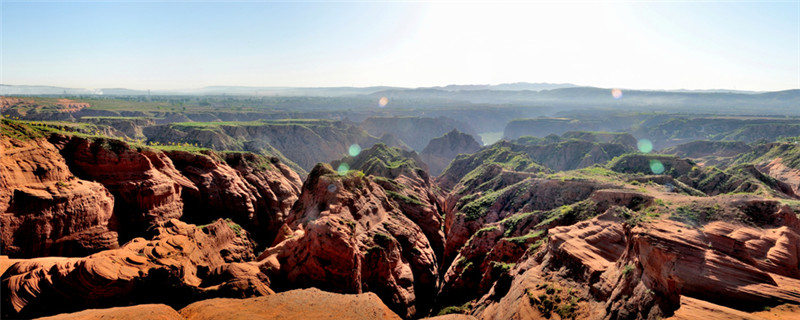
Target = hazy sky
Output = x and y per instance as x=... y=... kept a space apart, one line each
x=170 y=45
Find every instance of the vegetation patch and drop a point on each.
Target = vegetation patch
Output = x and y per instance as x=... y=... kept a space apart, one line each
x=234 y=226
x=462 y=309
x=626 y=270
x=511 y=223
x=382 y=239
x=534 y=234
x=478 y=208
x=569 y=214
x=697 y=215
x=403 y=198
x=548 y=298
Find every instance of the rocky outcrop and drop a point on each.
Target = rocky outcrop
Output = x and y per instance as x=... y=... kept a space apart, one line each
x=587 y=248
x=489 y=255
x=778 y=160
x=49 y=207
x=639 y=266
x=570 y=154
x=668 y=130
x=640 y=271
x=292 y=305
x=497 y=155
x=778 y=170
x=536 y=155
x=130 y=127
x=393 y=141
x=256 y=192
x=622 y=138
x=44 y=208
x=404 y=178
x=145 y=184
x=178 y=265
x=535 y=294
x=532 y=194
x=709 y=152
x=741 y=178
x=692 y=308
x=417 y=132
x=217 y=190
x=740 y=267
x=300 y=143
x=277 y=187
x=344 y=234
x=440 y=151
x=142 y=311
x=540 y=127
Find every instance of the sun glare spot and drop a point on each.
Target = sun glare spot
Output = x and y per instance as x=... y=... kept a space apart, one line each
x=383 y=102
x=616 y=93
x=343 y=169
x=331 y=188
x=644 y=145
x=354 y=150
x=656 y=166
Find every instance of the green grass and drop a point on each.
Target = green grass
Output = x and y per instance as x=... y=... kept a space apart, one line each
x=478 y=208
x=626 y=270
x=403 y=198
x=510 y=223
x=235 y=227
x=486 y=229
x=579 y=211
x=534 y=234
x=462 y=309
x=499 y=267
x=19 y=130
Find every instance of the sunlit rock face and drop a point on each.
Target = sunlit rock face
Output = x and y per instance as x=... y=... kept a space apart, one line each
x=44 y=208
x=145 y=184
x=345 y=234
x=253 y=190
x=404 y=178
x=180 y=263
x=71 y=196
x=294 y=304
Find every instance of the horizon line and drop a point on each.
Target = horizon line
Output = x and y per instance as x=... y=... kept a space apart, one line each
x=574 y=85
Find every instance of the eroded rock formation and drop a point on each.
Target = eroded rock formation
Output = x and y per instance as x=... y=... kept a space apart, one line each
x=294 y=304
x=180 y=263
x=441 y=151
x=44 y=208
x=344 y=234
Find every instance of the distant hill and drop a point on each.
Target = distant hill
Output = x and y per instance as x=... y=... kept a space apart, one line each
x=559 y=96
x=516 y=86
x=210 y=90
x=33 y=90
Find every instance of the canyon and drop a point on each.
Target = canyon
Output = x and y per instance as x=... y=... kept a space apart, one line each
x=556 y=227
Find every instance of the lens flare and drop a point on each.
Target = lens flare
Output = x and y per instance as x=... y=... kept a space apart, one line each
x=331 y=188
x=656 y=166
x=644 y=145
x=616 y=93
x=383 y=101
x=343 y=169
x=354 y=150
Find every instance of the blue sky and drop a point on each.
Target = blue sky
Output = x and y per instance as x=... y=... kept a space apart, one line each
x=172 y=45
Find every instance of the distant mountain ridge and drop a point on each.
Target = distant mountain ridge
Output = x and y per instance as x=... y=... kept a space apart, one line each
x=525 y=87
x=516 y=86
x=6 y=89
x=564 y=96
